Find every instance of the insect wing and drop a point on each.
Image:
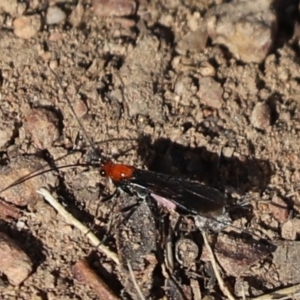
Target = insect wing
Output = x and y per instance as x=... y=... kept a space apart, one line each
x=191 y=197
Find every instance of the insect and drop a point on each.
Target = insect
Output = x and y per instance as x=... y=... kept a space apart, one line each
x=179 y=194
x=174 y=192
x=186 y=197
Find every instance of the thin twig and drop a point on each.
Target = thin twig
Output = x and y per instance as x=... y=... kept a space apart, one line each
x=8 y=211
x=134 y=281
x=215 y=266
x=84 y=274
x=71 y=220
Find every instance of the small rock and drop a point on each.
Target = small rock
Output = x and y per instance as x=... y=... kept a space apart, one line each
x=207 y=70
x=242 y=288
x=14 y=262
x=246 y=28
x=290 y=230
x=53 y=64
x=279 y=209
x=118 y=8
x=20 y=225
x=12 y=7
x=77 y=14
x=42 y=125
x=261 y=116
x=210 y=92
x=193 y=41
x=184 y=86
x=80 y=108
x=26 y=27
x=55 y=15
x=227 y=152
x=286 y=262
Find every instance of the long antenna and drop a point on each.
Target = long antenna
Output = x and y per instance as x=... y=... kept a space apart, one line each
x=73 y=111
x=38 y=172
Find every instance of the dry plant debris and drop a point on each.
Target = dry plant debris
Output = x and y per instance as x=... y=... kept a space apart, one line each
x=84 y=274
x=71 y=220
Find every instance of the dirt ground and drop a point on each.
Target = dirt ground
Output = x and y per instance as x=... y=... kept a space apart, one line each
x=203 y=114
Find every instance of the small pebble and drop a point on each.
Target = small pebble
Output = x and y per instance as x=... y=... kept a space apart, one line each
x=42 y=125
x=77 y=14
x=290 y=230
x=210 y=92
x=80 y=108
x=12 y=7
x=207 y=70
x=53 y=64
x=261 y=116
x=26 y=27
x=183 y=85
x=118 y=8
x=227 y=152
x=246 y=28
x=193 y=41
x=20 y=225
x=55 y=15
x=278 y=208
x=14 y=262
